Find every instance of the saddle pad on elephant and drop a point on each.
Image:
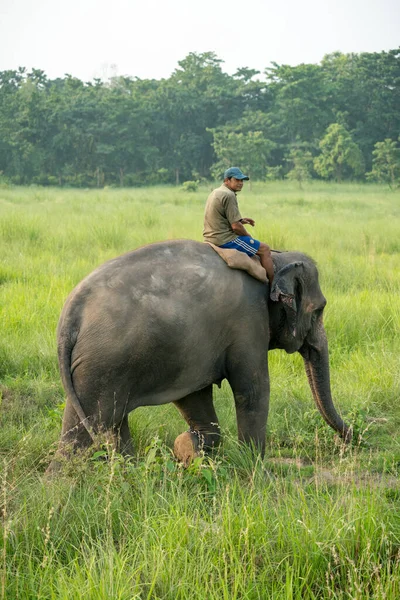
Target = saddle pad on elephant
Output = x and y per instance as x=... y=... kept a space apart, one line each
x=239 y=260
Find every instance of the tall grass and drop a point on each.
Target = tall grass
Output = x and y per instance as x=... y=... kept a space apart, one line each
x=314 y=520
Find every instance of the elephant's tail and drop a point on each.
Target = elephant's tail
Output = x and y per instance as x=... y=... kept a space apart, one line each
x=65 y=347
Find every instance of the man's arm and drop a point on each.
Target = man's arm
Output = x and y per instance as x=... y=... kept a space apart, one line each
x=239 y=228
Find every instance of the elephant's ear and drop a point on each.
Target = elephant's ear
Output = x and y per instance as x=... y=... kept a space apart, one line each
x=283 y=290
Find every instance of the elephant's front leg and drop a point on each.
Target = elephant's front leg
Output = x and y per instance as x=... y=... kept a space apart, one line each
x=198 y=411
x=250 y=386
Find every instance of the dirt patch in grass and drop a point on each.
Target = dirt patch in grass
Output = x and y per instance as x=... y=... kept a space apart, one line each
x=6 y=397
x=336 y=476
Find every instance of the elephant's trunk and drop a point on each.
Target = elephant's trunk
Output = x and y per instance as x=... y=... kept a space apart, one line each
x=316 y=362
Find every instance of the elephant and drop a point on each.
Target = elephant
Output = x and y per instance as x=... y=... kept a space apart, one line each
x=166 y=322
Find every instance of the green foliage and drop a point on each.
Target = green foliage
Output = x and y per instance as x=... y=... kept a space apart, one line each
x=132 y=132
x=366 y=90
x=4 y=181
x=249 y=150
x=386 y=163
x=274 y=173
x=243 y=143
x=302 y=107
x=340 y=156
x=301 y=161
x=190 y=186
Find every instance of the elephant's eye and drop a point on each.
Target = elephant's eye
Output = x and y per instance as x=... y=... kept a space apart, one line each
x=318 y=313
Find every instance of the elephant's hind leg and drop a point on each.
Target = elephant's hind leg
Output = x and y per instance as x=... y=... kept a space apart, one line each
x=124 y=443
x=198 y=411
x=74 y=437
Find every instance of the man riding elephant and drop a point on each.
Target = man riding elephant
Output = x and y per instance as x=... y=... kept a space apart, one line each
x=225 y=227
x=145 y=329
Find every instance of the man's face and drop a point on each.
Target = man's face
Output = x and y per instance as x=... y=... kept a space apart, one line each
x=234 y=184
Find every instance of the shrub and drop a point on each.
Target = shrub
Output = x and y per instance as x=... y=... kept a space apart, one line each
x=190 y=186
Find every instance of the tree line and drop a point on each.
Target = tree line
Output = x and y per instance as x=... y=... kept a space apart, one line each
x=337 y=120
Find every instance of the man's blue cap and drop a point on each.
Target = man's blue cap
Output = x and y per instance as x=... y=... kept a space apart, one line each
x=236 y=173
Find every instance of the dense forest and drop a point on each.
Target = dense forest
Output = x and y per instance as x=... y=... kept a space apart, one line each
x=338 y=120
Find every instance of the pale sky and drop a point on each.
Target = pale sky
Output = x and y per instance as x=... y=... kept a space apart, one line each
x=99 y=38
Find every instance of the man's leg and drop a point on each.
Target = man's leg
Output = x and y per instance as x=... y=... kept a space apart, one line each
x=264 y=252
x=248 y=245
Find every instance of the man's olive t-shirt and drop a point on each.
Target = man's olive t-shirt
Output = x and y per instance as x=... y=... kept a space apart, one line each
x=221 y=210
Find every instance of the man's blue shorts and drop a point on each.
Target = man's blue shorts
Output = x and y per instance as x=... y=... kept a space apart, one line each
x=244 y=243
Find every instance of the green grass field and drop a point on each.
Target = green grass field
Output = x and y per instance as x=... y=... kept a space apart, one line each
x=314 y=520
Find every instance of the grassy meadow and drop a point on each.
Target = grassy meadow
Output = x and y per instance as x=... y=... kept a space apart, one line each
x=314 y=520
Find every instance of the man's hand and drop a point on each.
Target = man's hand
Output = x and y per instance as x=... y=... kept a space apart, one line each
x=247 y=221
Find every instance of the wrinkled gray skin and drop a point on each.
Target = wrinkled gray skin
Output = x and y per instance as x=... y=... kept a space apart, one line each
x=167 y=321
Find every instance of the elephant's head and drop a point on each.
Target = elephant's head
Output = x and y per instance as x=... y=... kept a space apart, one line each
x=296 y=324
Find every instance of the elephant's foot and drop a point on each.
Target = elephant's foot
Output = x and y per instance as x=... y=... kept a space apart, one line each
x=68 y=459
x=188 y=446
x=73 y=450
x=54 y=469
